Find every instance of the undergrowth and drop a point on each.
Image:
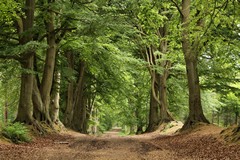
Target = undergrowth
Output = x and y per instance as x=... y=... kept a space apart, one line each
x=16 y=132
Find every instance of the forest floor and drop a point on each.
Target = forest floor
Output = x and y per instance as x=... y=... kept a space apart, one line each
x=203 y=142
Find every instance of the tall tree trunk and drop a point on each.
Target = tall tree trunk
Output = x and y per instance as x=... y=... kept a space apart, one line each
x=195 y=106
x=165 y=115
x=36 y=95
x=191 y=50
x=47 y=79
x=154 y=118
x=80 y=102
x=25 y=109
x=70 y=92
x=54 y=107
x=89 y=109
x=87 y=117
x=95 y=119
x=140 y=123
x=6 y=111
x=6 y=104
x=159 y=93
x=37 y=101
x=79 y=115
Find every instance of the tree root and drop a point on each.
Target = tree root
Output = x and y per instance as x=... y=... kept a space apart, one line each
x=38 y=128
x=192 y=122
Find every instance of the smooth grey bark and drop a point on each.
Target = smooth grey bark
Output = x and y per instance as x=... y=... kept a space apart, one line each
x=55 y=98
x=49 y=66
x=37 y=101
x=154 y=115
x=25 y=109
x=140 y=123
x=191 y=51
x=165 y=115
x=80 y=102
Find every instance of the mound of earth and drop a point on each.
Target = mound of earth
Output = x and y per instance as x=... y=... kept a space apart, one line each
x=203 y=141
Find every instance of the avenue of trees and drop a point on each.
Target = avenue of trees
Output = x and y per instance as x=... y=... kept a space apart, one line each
x=93 y=64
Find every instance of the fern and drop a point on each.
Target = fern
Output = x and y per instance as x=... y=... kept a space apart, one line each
x=16 y=132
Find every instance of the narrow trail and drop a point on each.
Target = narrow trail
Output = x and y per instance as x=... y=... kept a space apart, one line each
x=202 y=144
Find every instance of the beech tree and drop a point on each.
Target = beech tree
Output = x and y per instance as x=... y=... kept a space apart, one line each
x=152 y=25
x=191 y=50
x=34 y=92
x=199 y=27
x=25 y=24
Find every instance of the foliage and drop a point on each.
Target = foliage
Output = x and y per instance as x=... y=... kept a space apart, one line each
x=16 y=132
x=178 y=100
x=8 y=10
x=9 y=87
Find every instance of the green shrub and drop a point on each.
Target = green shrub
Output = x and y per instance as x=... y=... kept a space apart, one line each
x=16 y=132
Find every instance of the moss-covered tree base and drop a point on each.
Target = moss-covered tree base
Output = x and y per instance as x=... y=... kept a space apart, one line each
x=192 y=121
x=38 y=128
x=58 y=126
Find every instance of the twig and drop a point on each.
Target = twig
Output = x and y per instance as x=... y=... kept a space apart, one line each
x=61 y=142
x=178 y=8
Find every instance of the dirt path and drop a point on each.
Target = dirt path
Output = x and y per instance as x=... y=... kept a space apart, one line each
x=73 y=146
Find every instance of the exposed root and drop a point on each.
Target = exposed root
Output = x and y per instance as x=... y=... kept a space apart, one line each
x=42 y=128
x=58 y=126
x=192 y=122
x=193 y=127
x=38 y=128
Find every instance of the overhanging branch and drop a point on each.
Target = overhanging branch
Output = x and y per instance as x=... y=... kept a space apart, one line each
x=178 y=8
x=14 y=57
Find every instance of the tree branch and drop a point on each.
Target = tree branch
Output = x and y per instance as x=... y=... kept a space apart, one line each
x=178 y=8
x=213 y=15
x=62 y=34
x=9 y=57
